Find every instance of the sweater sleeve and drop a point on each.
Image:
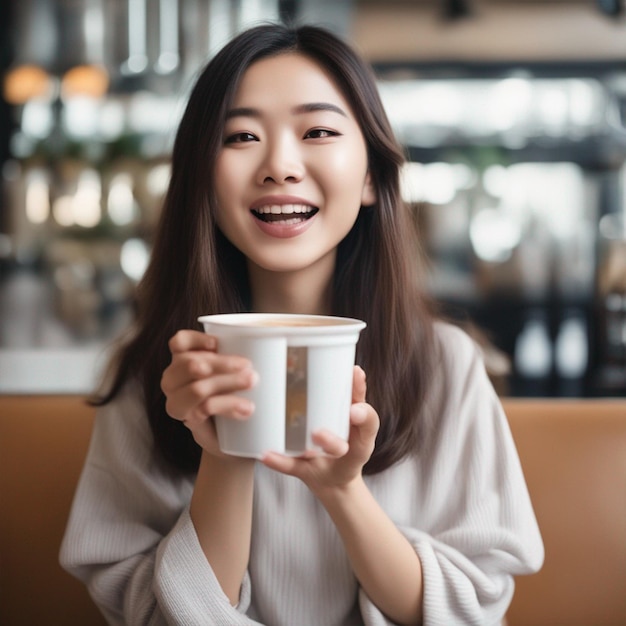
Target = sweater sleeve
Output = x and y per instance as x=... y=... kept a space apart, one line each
x=129 y=536
x=477 y=526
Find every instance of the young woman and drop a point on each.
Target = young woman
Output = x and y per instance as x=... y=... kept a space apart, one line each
x=284 y=197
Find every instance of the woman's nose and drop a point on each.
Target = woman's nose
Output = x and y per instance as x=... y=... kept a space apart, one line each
x=282 y=162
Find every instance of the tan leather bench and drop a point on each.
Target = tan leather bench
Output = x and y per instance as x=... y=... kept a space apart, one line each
x=573 y=453
x=43 y=442
x=574 y=458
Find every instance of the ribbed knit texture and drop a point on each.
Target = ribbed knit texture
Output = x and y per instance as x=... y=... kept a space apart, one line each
x=462 y=503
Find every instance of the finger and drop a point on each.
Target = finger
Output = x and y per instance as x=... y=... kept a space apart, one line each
x=185 y=340
x=190 y=366
x=239 y=380
x=359 y=385
x=204 y=364
x=202 y=397
x=331 y=444
x=221 y=399
x=231 y=406
x=364 y=418
x=280 y=463
x=205 y=435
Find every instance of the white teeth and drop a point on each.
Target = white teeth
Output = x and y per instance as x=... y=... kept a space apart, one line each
x=284 y=209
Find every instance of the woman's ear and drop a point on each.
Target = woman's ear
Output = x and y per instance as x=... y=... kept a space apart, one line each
x=368 y=196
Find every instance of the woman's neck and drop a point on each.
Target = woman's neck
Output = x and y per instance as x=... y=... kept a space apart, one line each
x=307 y=292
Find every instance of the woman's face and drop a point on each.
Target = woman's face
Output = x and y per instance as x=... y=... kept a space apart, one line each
x=292 y=173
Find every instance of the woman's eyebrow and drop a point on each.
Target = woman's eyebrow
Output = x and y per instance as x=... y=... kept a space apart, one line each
x=243 y=112
x=309 y=107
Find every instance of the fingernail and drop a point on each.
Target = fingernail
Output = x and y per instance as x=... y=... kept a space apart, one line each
x=254 y=378
x=245 y=408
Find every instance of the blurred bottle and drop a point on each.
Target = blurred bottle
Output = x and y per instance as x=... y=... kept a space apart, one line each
x=571 y=354
x=534 y=355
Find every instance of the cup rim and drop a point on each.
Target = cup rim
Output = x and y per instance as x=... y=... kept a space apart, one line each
x=244 y=323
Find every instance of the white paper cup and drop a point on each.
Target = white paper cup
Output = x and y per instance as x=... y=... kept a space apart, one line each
x=305 y=366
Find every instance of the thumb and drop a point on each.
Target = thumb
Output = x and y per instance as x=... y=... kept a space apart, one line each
x=359 y=385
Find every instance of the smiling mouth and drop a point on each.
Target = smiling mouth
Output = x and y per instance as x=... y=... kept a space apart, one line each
x=285 y=214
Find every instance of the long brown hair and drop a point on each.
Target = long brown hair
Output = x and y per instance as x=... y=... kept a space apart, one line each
x=194 y=270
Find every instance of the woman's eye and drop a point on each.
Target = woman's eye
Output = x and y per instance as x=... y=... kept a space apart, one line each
x=240 y=138
x=320 y=133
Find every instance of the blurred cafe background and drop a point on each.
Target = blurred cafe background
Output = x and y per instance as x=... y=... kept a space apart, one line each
x=512 y=113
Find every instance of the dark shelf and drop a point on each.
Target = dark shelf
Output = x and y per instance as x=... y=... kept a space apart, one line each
x=599 y=153
x=462 y=68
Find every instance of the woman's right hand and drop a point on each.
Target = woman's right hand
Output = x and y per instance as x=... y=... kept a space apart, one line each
x=200 y=383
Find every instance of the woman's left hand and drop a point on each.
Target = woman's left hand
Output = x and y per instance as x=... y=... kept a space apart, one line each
x=339 y=462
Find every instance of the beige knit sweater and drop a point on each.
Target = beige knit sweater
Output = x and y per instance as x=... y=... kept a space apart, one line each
x=462 y=503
